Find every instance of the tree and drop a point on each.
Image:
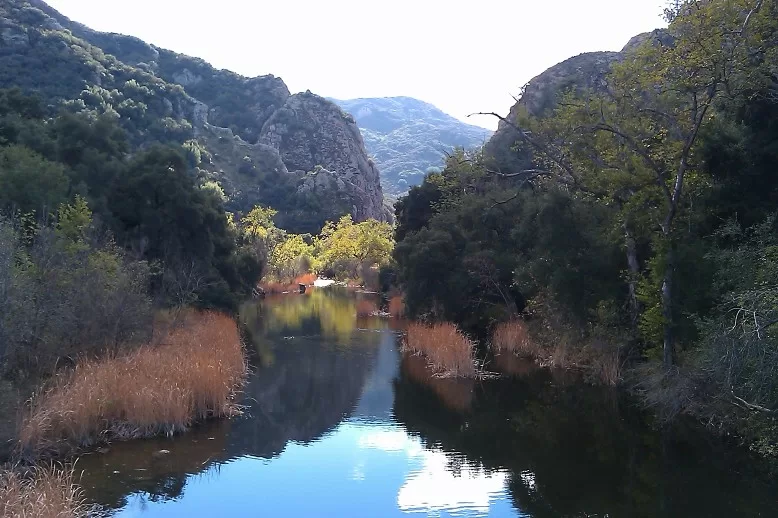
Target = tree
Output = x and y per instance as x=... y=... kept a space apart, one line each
x=646 y=126
x=345 y=247
x=29 y=182
x=291 y=258
x=162 y=215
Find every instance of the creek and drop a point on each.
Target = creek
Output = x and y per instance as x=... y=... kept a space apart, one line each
x=339 y=423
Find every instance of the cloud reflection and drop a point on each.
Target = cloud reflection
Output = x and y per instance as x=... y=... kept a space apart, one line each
x=441 y=482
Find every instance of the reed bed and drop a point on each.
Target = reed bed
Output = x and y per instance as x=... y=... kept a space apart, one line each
x=45 y=493
x=513 y=337
x=449 y=351
x=396 y=306
x=191 y=375
x=366 y=308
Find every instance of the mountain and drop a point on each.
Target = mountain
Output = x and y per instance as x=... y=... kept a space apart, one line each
x=406 y=137
x=300 y=154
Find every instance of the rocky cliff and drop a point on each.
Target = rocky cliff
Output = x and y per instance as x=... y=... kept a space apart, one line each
x=407 y=137
x=298 y=153
x=314 y=135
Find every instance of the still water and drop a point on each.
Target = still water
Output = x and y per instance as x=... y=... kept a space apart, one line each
x=339 y=423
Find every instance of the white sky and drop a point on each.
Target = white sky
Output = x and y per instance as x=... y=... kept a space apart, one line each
x=462 y=56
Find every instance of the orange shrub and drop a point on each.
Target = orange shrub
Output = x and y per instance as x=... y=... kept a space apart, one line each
x=397 y=307
x=366 y=307
x=191 y=375
x=448 y=350
x=513 y=337
x=48 y=493
x=306 y=279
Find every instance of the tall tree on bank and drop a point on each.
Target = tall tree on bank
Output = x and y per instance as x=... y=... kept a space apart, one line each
x=634 y=145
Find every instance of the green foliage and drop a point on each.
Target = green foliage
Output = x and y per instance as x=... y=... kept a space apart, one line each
x=74 y=220
x=290 y=258
x=29 y=182
x=343 y=248
x=623 y=214
x=151 y=203
x=481 y=254
x=63 y=299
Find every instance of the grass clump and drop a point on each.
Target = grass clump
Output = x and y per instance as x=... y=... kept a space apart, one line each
x=190 y=375
x=45 y=493
x=449 y=351
x=513 y=336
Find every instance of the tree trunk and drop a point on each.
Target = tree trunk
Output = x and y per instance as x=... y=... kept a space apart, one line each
x=668 y=355
x=634 y=272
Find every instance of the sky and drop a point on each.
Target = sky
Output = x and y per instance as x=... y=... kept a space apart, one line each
x=462 y=56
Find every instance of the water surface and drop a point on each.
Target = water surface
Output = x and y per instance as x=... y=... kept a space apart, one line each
x=339 y=423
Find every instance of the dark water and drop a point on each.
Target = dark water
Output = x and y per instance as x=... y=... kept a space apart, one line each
x=339 y=424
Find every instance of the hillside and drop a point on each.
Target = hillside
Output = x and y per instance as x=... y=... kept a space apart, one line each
x=584 y=72
x=406 y=137
x=298 y=153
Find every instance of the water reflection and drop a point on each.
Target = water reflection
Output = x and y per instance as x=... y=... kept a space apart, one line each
x=338 y=423
x=574 y=450
x=330 y=313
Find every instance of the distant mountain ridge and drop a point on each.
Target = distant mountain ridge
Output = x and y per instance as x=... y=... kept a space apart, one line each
x=406 y=137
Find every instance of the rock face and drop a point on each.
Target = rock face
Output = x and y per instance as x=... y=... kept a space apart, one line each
x=297 y=153
x=586 y=71
x=313 y=134
x=407 y=137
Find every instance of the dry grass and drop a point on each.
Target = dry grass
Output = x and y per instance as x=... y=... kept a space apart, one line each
x=448 y=350
x=607 y=366
x=397 y=306
x=48 y=493
x=192 y=375
x=513 y=337
x=366 y=307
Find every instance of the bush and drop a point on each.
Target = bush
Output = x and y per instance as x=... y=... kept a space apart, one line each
x=66 y=298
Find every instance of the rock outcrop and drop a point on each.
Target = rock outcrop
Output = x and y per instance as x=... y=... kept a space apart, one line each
x=314 y=135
